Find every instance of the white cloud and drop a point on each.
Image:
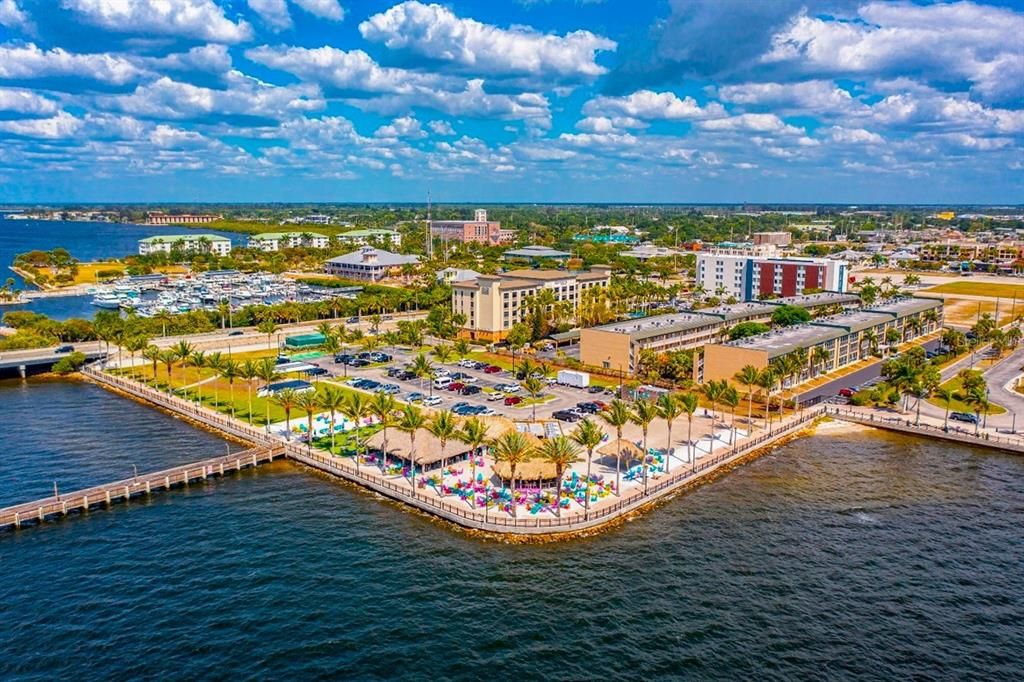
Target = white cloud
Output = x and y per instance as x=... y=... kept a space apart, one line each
x=56 y=127
x=274 y=13
x=932 y=110
x=169 y=99
x=26 y=102
x=12 y=16
x=346 y=70
x=212 y=58
x=194 y=19
x=325 y=9
x=648 y=105
x=944 y=42
x=755 y=123
x=441 y=128
x=604 y=124
x=28 y=62
x=472 y=101
x=472 y=47
x=817 y=96
x=855 y=136
x=405 y=127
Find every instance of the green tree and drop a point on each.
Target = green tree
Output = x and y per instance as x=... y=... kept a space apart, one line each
x=644 y=412
x=513 y=449
x=588 y=435
x=535 y=387
x=617 y=415
x=411 y=421
x=356 y=408
x=309 y=403
x=333 y=400
x=383 y=407
x=286 y=399
x=562 y=453
x=787 y=315
x=689 y=402
x=444 y=427
x=473 y=434
x=748 y=376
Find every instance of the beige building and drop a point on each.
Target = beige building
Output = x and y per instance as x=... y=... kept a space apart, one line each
x=774 y=238
x=844 y=338
x=493 y=303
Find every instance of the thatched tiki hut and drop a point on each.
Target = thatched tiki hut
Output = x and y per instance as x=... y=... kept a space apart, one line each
x=531 y=472
x=624 y=448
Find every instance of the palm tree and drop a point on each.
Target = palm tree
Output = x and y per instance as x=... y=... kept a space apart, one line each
x=669 y=409
x=268 y=327
x=689 y=402
x=164 y=317
x=512 y=448
x=286 y=399
x=215 y=361
x=644 y=412
x=168 y=357
x=946 y=395
x=332 y=400
x=230 y=371
x=152 y=353
x=819 y=357
x=198 y=360
x=731 y=399
x=249 y=371
x=267 y=372
x=183 y=350
x=325 y=329
x=748 y=376
x=422 y=369
x=473 y=434
x=443 y=427
x=714 y=391
x=617 y=415
x=383 y=406
x=133 y=344
x=442 y=352
x=588 y=435
x=978 y=400
x=309 y=403
x=766 y=380
x=535 y=387
x=411 y=421
x=461 y=348
x=562 y=452
x=356 y=408
x=224 y=309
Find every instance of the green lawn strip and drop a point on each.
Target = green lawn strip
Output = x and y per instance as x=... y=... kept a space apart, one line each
x=992 y=289
x=345 y=443
x=958 y=405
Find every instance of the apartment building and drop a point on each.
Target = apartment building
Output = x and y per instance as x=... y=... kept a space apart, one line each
x=751 y=274
x=363 y=237
x=1003 y=252
x=161 y=218
x=844 y=338
x=369 y=263
x=773 y=238
x=479 y=230
x=199 y=243
x=275 y=241
x=618 y=345
x=493 y=303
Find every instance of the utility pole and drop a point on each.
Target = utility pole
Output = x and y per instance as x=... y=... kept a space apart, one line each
x=429 y=236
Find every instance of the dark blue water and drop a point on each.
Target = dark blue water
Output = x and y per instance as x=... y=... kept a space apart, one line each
x=86 y=241
x=860 y=555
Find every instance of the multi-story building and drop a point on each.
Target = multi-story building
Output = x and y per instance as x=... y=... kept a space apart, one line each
x=493 y=303
x=161 y=218
x=645 y=252
x=842 y=339
x=749 y=275
x=480 y=230
x=618 y=345
x=199 y=243
x=773 y=238
x=363 y=237
x=369 y=263
x=536 y=254
x=1004 y=252
x=275 y=241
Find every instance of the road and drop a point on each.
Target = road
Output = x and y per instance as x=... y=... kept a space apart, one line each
x=858 y=378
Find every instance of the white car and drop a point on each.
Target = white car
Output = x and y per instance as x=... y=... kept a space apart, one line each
x=441 y=372
x=509 y=388
x=495 y=396
x=432 y=400
x=465 y=362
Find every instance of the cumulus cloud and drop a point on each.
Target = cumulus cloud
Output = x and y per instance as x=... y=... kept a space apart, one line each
x=352 y=70
x=193 y=19
x=649 y=106
x=55 y=127
x=274 y=13
x=855 y=136
x=12 y=16
x=26 y=102
x=405 y=127
x=325 y=9
x=754 y=123
x=944 y=43
x=473 y=101
x=441 y=128
x=814 y=97
x=469 y=46
x=28 y=62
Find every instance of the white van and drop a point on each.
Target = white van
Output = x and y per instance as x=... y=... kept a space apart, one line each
x=442 y=382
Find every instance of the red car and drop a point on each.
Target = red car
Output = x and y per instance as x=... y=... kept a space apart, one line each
x=513 y=400
x=492 y=369
x=600 y=405
x=456 y=386
x=846 y=392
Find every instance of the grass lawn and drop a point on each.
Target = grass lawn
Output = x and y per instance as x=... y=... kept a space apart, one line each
x=958 y=405
x=993 y=289
x=345 y=443
x=506 y=364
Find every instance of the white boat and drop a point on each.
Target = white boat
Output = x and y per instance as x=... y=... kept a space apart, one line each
x=108 y=301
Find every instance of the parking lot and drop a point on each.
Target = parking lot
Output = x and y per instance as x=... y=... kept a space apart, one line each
x=560 y=397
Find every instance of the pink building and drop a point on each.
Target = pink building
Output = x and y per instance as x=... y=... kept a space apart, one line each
x=478 y=230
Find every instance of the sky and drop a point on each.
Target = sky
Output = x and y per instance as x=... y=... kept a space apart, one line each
x=689 y=101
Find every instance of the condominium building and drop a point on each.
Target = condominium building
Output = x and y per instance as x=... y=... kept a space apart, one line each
x=774 y=238
x=493 y=303
x=161 y=218
x=369 y=263
x=198 y=243
x=618 y=345
x=275 y=241
x=829 y=343
x=749 y=275
x=479 y=230
x=1004 y=252
x=363 y=237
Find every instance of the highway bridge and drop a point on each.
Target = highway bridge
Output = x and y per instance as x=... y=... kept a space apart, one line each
x=24 y=362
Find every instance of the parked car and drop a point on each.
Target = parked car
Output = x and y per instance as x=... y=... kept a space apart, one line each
x=465 y=362
x=432 y=400
x=237 y=332
x=847 y=392
x=513 y=400
x=414 y=397
x=479 y=365
x=497 y=395
x=390 y=389
x=405 y=375
x=567 y=416
x=456 y=386
x=964 y=417
x=508 y=388
x=588 y=407
x=492 y=369
x=380 y=357
x=469 y=390
x=357 y=362
x=594 y=390
x=344 y=358
x=352 y=320
x=441 y=372
x=318 y=372
x=65 y=349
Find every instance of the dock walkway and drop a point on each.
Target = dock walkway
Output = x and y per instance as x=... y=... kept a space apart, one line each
x=144 y=484
x=985 y=439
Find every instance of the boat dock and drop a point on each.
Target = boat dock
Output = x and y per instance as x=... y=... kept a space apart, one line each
x=107 y=494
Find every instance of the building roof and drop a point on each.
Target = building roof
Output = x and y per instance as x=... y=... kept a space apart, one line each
x=739 y=311
x=282 y=235
x=383 y=258
x=818 y=299
x=656 y=325
x=854 y=321
x=784 y=341
x=368 y=233
x=165 y=238
x=536 y=252
x=546 y=275
x=650 y=251
x=902 y=307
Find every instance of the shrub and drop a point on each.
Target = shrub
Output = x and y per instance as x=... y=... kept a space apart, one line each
x=69 y=363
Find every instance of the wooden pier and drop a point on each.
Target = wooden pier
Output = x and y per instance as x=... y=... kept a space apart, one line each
x=144 y=484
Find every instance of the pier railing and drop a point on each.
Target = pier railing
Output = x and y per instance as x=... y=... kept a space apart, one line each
x=953 y=433
x=143 y=484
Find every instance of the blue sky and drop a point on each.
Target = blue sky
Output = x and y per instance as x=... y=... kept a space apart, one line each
x=535 y=100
